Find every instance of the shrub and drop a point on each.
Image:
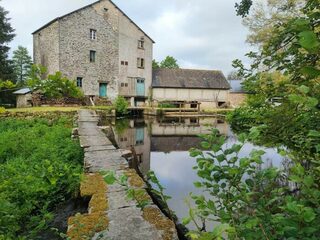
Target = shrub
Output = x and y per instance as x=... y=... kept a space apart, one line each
x=54 y=86
x=250 y=202
x=2 y=110
x=121 y=105
x=40 y=167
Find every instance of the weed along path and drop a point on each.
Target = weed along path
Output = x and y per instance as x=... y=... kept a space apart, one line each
x=112 y=214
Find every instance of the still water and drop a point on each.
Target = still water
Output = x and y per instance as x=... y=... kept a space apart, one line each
x=162 y=146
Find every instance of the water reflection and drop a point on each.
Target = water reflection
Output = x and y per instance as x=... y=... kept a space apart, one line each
x=162 y=146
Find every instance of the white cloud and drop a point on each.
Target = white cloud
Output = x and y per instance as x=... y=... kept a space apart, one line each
x=202 y=34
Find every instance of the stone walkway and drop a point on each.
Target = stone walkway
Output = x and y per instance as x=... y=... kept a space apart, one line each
x=126 y=220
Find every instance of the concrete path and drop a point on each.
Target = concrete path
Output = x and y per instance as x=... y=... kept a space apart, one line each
x=126 y=220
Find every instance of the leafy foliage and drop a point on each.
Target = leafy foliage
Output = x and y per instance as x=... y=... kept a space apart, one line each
x=138 y=194
x=284 y=109
x=243 y=7
x=266 y=15
x=250 y=202
x=168 y=62
x=159 y=191
x=22 y=64
x=54 y=86
x=121 y=105
x=40 y=167
x=155 y=64
x=6 y=92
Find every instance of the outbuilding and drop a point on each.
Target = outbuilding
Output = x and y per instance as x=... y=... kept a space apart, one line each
x=23 y=97
x=237 y=94
x=190 y=88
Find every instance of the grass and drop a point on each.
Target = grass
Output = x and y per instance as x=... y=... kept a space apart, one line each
x=44 y=109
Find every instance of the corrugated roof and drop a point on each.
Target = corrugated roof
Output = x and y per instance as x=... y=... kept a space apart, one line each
x=58 y=18
x=189 y=78
x=22 y=91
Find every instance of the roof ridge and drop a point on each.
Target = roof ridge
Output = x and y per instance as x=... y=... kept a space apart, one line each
x=191 y=69
x=89 y=5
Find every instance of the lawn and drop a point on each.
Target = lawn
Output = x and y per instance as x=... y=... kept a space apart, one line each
x=44 y=109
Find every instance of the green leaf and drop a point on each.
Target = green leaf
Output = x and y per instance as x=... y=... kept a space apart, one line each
x=197 y=184
x=205 y=145
x=308 y=215
x=310 y=72
x=186 y=220
x=251 y=223
x=313 y=133
x=294 y=98
x=308 y=181
x=220 y=230
x=308 y=40
x=110 y=178
x=312 y=102
x=304 y=89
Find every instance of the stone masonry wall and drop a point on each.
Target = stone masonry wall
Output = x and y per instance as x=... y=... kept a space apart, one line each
x=129 y=51
x=237 y=99
x=65 y=46
x=75 y=46
x=46 y=47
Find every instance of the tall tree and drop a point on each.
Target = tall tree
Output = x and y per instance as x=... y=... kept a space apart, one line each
x=155 y=64
x=6 y=35
x=22 y=64
x=169 y=62
x=267 y=15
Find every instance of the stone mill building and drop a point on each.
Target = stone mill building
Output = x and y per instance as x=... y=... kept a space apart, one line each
x=100 y=48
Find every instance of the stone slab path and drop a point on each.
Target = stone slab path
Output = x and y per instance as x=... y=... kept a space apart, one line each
x=126 y=220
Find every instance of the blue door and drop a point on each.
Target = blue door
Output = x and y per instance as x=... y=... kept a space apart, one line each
x=139 y=136
x=140 y=87
x=103 y=90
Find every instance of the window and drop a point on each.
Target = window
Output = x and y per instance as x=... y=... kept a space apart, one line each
x=92 y=56
x=124 y=63
x=141 y=43
x=140 y=63
x=79 y=82
x=93 y=34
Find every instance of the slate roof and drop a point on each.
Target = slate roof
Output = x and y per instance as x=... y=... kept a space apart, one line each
x=189 y=78
x=58 y=18
x=22 y=91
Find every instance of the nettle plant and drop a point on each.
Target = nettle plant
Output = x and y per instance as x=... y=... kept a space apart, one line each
x=248 y=202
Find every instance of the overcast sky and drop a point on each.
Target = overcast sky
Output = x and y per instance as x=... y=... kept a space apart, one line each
x=203 y=34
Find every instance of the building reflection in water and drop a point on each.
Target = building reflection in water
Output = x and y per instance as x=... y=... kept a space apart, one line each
x=163 y=135
x=162 y=145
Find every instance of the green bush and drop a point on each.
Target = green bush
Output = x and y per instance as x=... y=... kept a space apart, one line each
x=40 y=167
x=2 y=110
x=248 y=201
x=54 y=86
x=121 y=105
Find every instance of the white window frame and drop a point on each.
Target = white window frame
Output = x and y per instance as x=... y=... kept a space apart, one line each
x=93 y=34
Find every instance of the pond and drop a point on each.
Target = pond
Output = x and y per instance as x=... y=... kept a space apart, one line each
x=162 y=146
